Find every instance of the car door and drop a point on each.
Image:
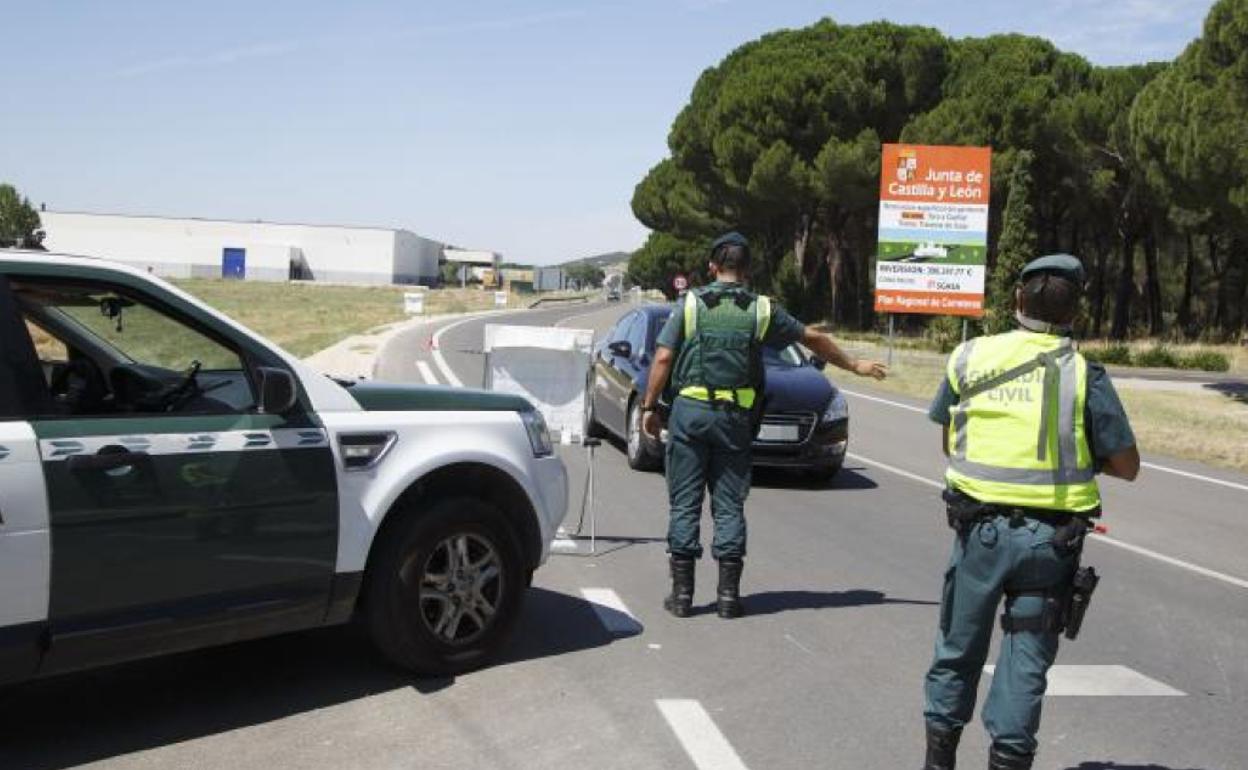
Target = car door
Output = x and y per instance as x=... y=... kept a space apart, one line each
x=181 y=527
x=617 y=374
x=24 y=541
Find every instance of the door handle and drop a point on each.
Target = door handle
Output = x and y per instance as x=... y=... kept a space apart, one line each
x=105 y=460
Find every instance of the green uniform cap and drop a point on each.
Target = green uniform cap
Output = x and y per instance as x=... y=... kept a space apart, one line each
x=729 y=239
x=1061 y=265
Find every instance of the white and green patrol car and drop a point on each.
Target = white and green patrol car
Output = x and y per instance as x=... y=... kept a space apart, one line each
x=170 y=480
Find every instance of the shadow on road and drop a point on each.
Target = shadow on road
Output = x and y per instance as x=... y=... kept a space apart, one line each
x=849 y=479
x=81 y=718
x=1115 y=766
x=775 y=602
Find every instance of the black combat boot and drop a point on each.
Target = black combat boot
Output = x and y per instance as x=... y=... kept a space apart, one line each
x=729 y=593
x=680 y=602
x=1004 y=759
x=942 y=748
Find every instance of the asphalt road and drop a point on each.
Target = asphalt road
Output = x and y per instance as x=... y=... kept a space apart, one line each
x=841 y=582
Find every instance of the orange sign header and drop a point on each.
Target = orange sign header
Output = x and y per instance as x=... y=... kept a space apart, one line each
x=927 y=174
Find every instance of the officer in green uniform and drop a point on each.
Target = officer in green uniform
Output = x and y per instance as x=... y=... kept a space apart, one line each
x=1027 y=425
x=711 y=349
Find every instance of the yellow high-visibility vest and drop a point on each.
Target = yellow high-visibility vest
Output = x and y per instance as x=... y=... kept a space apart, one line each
x=1017 y=435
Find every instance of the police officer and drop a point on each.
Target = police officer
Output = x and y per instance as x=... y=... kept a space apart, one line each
x=711 y=349
x=1028 y=423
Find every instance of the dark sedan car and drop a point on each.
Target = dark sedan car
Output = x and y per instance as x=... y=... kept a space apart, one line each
x=805 y=419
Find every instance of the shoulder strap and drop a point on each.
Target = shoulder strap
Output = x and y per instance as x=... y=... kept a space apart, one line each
x=691 y=314
x=1046 y=359
x=762 y=317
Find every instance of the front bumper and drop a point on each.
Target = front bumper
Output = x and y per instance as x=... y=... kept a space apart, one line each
x=551 y=477
x=825 y=447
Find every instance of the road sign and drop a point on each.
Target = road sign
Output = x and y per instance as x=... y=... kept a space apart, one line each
x=680 y=283
x=933 y=240
x=500 y=299
x=414 y=302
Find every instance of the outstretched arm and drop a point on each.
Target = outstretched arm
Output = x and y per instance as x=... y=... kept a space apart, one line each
x=829 y=351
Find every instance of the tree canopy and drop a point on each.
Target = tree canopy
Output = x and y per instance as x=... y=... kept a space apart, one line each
x=781 y=140
x=19 y=222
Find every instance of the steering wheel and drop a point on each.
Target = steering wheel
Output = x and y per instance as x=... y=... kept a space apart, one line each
x=78 y=386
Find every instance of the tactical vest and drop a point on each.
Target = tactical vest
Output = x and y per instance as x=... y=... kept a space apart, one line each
x=720 y=357
x=1017 y=435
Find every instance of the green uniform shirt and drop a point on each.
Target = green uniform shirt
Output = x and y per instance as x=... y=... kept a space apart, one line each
x=1107 y=427
x=783 y=331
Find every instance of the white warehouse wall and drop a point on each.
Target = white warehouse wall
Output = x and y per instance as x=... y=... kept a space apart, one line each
x=181 y=248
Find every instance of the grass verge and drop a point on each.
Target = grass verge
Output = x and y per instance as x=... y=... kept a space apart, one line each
x=307 y=317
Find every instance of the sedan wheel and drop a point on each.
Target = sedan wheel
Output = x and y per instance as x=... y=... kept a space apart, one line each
x=642 y=454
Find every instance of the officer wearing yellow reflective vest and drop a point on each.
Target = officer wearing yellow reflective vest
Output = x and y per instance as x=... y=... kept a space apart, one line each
x=710 y=348
x=1027 y=425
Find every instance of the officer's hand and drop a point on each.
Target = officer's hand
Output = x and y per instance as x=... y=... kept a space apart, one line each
x=870 y=369
x=651 y=425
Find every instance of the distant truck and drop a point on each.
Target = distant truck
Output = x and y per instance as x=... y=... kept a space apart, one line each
x=170 y=480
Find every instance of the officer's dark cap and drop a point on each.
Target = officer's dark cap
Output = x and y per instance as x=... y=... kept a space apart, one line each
x=1060 y=265
x=729 y=239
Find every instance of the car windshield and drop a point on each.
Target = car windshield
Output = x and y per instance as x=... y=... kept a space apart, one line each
x=656 y=325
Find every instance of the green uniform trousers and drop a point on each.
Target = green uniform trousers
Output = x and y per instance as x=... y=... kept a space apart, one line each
x=996 y=557
x=707 y=446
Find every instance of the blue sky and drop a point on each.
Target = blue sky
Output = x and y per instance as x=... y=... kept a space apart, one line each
x=520 y=127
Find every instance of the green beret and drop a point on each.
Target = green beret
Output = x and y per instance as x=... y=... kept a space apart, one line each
x=1061 y=265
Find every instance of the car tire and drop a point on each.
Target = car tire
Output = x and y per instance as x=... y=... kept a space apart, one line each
x=593 y=428
x=643 y=455
x=427 y=608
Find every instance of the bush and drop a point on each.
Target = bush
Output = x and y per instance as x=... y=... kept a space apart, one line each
x=1119 y=355
x=1205 y=361
x=1157 y=357
x=944 y=333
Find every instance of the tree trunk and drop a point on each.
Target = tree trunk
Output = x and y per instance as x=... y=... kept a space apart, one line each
x=1125 y=291
x=801 y=239
x=836 y=256
x=1098 y=287
x=1219 y=282
x=1152 y=284
x=1189 y=285
x=1237 y=278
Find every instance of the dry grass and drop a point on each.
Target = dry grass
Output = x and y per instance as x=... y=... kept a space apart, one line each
x=306 y=317
x=1201 y=426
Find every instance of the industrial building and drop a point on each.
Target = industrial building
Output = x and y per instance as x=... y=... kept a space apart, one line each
x=266 y=251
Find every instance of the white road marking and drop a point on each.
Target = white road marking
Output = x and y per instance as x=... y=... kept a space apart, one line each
x=1101 y=681
x=612 y=611
x=697 y=733
x=426 y=373
x=595 y=311
x=1195 y=568
x=1150 y=466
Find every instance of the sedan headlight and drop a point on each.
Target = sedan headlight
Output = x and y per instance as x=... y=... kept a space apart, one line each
x=838 y=408
x=539 y=434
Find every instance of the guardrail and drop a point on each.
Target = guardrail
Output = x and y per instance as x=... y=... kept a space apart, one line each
x=546 y=300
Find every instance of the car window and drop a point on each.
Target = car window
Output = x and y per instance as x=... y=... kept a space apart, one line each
x=112 y=351
x=624 y=329
x=657 y=322
x=637 y=334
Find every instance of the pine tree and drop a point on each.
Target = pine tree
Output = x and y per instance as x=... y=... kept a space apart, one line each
x=1016 y=247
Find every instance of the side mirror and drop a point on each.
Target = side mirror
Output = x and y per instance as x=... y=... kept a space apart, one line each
x=621 y=349
x=278 y=393
x=818 y=363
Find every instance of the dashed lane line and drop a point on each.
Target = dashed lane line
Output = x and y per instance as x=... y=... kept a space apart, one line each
x=698 y=735
x=426 y=373
x=1102 y=681
x=612 y=612
x=1139 y=550
x=1150 y=466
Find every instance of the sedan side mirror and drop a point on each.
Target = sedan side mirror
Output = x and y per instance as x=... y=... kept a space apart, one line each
x=621 y=348
x=818 y=363
x=278 y=394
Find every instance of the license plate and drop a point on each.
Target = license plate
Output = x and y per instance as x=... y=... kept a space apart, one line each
x=779 y=433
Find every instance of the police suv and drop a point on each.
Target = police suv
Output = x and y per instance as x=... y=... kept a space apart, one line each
x=170 y=480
